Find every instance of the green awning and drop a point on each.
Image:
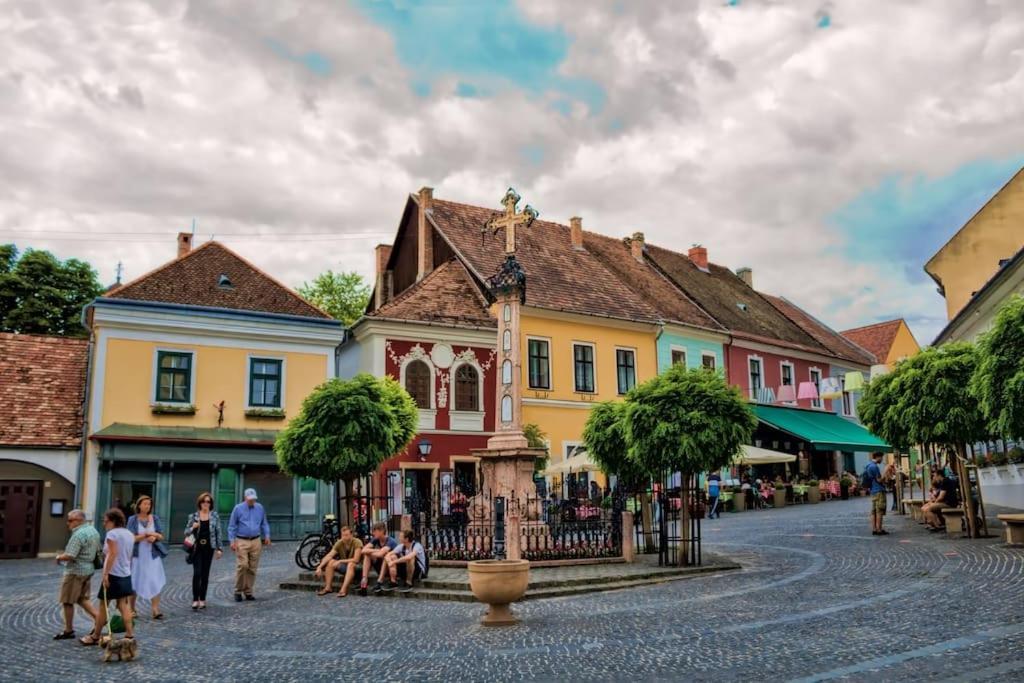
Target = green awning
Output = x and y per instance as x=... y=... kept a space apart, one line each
x=824 y=431
x=215 y=436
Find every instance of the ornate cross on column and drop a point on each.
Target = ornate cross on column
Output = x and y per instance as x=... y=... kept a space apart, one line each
x=510 y=220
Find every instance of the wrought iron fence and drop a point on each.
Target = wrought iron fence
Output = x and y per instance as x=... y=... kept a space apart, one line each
x=658 y=524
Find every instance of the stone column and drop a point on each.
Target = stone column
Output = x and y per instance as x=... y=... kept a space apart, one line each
x=628 y=551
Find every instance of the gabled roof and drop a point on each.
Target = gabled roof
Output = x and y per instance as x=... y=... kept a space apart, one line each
x=656 y=289
x=447 y=295
x=876 y=338
x=836 y=343
x=1005 y=271
x=730 y=301
x=213 y=275
x=42 y=386
x=558 y=277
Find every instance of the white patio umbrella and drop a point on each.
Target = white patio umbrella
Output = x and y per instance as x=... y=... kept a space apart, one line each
x=753 y=455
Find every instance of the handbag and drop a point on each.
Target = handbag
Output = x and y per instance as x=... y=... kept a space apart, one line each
x=97 y=560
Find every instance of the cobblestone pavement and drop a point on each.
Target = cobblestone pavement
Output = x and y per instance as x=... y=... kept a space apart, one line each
x=819 y=598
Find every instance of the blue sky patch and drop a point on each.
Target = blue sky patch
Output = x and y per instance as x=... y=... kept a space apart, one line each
x=485 y=45
x=906 y=219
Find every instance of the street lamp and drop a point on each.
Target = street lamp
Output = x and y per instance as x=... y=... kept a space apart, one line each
x=424 y=448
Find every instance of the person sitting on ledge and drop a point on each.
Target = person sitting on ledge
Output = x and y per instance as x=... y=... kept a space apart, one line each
x=345 y=553
x=408 y=561
x=373 y=555
x=945 y=496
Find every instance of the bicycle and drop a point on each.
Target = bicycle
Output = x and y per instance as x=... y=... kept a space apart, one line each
x=314 y=546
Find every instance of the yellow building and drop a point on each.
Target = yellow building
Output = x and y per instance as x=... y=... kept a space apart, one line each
x=981 y=247
x=195 y=367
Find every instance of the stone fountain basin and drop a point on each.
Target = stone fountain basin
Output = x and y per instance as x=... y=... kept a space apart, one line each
x=498 y=583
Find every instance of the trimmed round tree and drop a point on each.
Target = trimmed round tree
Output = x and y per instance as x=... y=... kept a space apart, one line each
x=686 y=421
x=346 y=429
x=998 y=381
x=879 y=408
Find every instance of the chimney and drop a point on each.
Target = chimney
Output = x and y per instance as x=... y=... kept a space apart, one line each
x=699 y=256
x=382 y=252
x=576 y=232
x=425 y=235
x=636 y=246
x=184 y=243
x=747 y=275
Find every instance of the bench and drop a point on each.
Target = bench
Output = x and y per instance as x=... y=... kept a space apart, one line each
x=914 y=507
x=1014 y=525
x=954 y=518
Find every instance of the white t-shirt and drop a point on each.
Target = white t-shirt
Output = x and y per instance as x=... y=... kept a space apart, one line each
x=421 y=556
x=125 y=543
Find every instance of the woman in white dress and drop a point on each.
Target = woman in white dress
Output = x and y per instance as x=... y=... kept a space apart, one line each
x=148 y=577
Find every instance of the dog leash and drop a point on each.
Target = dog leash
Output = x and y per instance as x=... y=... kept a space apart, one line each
x=106 y=605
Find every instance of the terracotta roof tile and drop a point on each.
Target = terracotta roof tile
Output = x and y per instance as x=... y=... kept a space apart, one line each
x=836 y=343
x=670 y=302
x=194 y=280
x=447 y=295
x=557 y=276
x=729 y=300
x=877 y=338
x=42 y=384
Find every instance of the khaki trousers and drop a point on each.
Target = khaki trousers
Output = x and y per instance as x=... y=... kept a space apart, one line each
x=247 y=559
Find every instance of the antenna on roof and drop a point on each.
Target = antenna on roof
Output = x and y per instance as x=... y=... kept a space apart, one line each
x=120 y=272
x=193 y=227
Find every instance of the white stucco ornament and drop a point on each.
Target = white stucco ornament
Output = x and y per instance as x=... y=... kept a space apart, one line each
x=442 y=356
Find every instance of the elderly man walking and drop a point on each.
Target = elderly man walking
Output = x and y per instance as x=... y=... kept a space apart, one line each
x=247 y=528
x=78 y=558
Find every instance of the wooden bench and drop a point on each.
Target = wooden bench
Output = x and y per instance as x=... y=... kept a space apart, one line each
x=1014 y=525
x=954 y=518
x=914 y=507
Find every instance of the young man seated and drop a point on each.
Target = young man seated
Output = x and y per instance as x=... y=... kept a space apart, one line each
x=373 y=556
x=946 y=495
x=408 y=561
x=345 y=553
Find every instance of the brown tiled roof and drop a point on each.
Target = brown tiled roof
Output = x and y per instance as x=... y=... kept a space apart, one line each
x=730 y=301
x=194 y=280
x=670 y=303
x=447 y=295
x=557 y=276
x=877 y=338
x=42 y=384
x=836 y=343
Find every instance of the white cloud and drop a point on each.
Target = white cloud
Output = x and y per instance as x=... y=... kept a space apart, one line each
x=743 y=128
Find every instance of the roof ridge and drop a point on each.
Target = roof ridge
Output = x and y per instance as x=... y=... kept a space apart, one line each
x=163 y=266
x=43 y=337
x=878 y=324
x=416 y=286
x=839 y=335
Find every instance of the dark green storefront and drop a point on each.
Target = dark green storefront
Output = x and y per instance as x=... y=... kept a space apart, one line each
x=175 y=464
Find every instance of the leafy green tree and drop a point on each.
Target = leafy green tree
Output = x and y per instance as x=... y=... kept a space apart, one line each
x=605 y=441
x=346 y=429
x=537 y=438
x=998 y=381
x=343 y=295
x=686 y=421
x=39 y=294
x=879 y=408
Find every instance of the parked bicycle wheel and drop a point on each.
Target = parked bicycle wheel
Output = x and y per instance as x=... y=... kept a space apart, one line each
x=316 y=552
x=302 y=553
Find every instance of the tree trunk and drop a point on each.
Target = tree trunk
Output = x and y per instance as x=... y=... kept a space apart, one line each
x=684 y=518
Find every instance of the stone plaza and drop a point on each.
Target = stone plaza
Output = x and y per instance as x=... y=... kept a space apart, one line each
x=817 y=598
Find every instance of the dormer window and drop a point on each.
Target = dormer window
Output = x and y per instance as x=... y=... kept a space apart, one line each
x=742 y=306
x=224 y=282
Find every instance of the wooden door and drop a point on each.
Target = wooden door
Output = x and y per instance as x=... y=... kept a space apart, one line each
x=19 y=518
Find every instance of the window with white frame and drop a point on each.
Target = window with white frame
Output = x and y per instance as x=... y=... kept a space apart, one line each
x=786 y=373
x=467 y=388
x=583 y=368
x=847 y=402
x=625 y=369
x=815 y=376
x=265 y=379
x=174 y=376
x=679 y=357
x=708 y=360
x=539 y=358
x=755 y=372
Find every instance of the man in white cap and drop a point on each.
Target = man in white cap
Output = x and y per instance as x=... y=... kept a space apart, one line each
x=246 y=530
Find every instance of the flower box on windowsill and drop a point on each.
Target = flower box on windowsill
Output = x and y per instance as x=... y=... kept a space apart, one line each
x=173 y=409
x=265 y=413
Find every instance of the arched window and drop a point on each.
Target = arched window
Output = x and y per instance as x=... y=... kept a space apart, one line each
x=506 y=372
x=467 y=388
x=506 y=409
x=417 y=383
x=507 y=314
x=506 y=341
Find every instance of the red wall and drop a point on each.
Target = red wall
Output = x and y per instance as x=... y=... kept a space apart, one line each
x=738 y=370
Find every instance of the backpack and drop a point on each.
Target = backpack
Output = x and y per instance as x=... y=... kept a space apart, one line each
x=866 y=479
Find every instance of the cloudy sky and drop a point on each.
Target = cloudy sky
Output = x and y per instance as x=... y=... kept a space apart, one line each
x=832 y=146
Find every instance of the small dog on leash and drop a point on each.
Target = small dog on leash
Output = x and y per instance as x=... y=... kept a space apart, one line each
x=125 y=649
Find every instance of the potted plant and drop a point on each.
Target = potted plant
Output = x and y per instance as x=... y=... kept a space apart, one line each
x=739 y=499
x=844 y=487
x=780 y=493
x=813 y=491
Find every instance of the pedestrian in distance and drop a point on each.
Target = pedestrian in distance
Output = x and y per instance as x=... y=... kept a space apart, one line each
x=344 y=556
x=714 y=484
x=204 y=526
x=247 y=529
x=116 y=583
x=874 y=480
x=78 y=558
x=148 y=553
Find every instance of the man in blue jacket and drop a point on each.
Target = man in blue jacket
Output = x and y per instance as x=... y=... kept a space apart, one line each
x=247 y=528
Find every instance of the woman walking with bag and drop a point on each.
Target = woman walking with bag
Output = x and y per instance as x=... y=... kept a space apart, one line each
x=117 y=581
x=148 y=555
x=203 y=527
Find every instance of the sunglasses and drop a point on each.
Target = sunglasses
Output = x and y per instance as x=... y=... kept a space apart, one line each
x=207 y=501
